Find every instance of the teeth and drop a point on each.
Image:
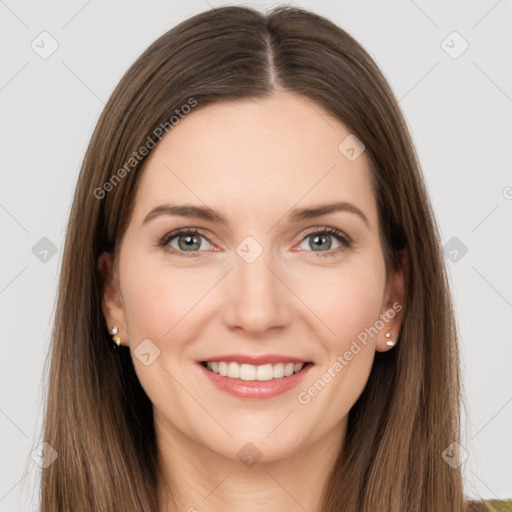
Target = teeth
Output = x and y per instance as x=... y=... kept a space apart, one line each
x=289 y=369
x=233 y=370
x=247 y=372
x=250 y=372
x=278 y=370
x=223 y=369
x=265 y=372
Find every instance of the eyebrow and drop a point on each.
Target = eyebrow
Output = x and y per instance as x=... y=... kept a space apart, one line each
x=209 y=214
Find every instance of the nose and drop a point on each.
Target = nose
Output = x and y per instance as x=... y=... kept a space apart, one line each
x=257 y=298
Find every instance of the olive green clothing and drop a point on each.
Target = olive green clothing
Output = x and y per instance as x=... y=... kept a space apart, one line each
x=490 y=506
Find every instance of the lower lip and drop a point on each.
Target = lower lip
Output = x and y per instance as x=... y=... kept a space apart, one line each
x=256 y=388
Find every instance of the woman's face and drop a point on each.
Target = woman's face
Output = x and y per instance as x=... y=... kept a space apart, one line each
x=259 y=281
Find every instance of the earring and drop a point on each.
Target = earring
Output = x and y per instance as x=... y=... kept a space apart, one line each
x=390 y=342
x=113 y=333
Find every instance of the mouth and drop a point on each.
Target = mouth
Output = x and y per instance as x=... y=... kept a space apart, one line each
x=251 y=381
x=250 y=372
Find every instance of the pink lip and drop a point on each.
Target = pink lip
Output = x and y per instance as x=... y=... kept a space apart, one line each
x=255 y=388
x=255 y=360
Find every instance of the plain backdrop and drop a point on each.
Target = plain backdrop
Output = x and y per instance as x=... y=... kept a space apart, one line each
x=448 y=64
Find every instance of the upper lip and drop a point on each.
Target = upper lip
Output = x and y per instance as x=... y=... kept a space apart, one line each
x=255 y=360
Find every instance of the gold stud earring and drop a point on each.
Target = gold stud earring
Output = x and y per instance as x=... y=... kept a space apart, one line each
x=113 y=333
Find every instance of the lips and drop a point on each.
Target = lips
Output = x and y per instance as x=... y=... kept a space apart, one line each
x=255 y=376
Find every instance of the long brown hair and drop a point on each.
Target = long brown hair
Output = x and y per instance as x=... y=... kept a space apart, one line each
x=99 y=419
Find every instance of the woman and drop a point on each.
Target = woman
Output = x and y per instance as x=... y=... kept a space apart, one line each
x=305 y=354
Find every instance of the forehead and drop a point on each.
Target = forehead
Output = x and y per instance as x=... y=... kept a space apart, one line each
x=255 y=156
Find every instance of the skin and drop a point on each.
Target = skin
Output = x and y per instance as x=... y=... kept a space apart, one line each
x=253 y=161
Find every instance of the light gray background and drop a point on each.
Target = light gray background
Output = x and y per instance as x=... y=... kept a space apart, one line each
x=459 y=111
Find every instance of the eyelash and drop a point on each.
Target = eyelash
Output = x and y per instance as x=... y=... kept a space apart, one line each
x=345 y=241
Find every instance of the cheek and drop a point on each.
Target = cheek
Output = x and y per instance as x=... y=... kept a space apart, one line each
x=159 y=304
x=348 y=302
x=344 y=301
x=157 y=298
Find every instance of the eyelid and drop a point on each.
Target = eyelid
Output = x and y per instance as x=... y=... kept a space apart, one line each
x=327 y=229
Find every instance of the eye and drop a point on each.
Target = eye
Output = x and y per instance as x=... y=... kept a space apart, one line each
x=190 y=242
x=321 y=241
x=185 y=240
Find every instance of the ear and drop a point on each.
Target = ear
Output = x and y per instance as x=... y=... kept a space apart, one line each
x=111 y=302
x=392 y=313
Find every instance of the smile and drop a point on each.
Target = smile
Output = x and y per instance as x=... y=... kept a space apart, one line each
x=244 y=380
x=264 y=372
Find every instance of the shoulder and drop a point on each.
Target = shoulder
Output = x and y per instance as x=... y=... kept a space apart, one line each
x=490 y=506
